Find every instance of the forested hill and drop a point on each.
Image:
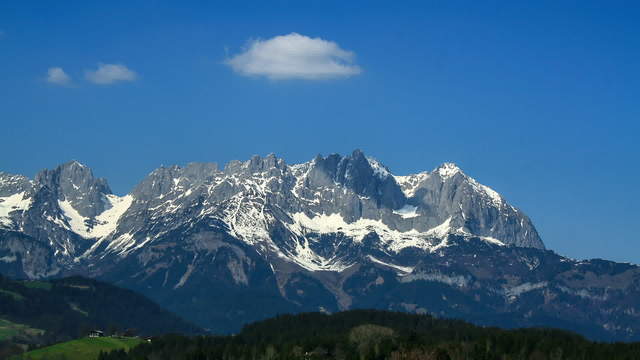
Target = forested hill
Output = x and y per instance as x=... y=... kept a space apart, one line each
x=368 y=334
x=42 y=312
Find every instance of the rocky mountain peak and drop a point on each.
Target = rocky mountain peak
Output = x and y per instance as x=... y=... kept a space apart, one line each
x=74 y=183
x=448 y=170
x=363 y=176
x=262 y=164
x=158 y=183
x=12 y=184
x=200 y=170
x=257 y=164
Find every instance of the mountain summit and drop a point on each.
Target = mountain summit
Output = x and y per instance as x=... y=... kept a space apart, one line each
x=225 y=246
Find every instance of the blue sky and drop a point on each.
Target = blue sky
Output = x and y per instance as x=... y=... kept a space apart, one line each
x=538 y=101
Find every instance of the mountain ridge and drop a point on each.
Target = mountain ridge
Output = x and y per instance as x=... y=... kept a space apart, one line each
x=88 y=209
x=227 y=246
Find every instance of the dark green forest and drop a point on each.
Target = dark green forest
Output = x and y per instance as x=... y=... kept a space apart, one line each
x=370 y=334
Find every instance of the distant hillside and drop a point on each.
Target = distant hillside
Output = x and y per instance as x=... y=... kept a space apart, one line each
x=44 y=312
x=370 y=334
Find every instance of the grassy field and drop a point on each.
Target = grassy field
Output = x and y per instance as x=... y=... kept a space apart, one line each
x=9 y=329
x=82 y=349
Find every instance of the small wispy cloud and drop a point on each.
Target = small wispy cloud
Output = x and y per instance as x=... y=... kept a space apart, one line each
x=57 y=76
x=295 y=56
x=107 y=74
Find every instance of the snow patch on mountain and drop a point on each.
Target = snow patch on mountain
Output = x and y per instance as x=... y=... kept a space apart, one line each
x=402 y=269
x=247 y=219
x=441 y=230
x=584 y=293
x=100 y=226
x=409 y=184
x=492 y=240
x=76 y=222
x=448 y=170
x=122 y=242
x=8 y=204
x=392 y=240
x=335 y=223
x=8 y=259
x=437 y=276
x=379 y=170
x=407 y=212
x=515 y=291
x=304 y=256
x=107 y=222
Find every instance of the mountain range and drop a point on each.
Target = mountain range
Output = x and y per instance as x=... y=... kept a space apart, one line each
x=225 y=246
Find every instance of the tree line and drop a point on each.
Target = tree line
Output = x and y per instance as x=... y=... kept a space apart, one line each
x=376 y=335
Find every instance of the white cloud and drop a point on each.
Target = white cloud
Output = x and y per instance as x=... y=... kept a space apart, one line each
x=55 y=75
x=107 y=74
x=294 y=56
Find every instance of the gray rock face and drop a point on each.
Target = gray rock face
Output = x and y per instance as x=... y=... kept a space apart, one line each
x=356 y=173
x=21 y=256
x=474 y=208
x=13 y=184
x=223 y=246
x=74 y=183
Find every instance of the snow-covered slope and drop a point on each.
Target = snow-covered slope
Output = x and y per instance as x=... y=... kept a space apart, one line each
x=99 y=226
x=9 y=205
